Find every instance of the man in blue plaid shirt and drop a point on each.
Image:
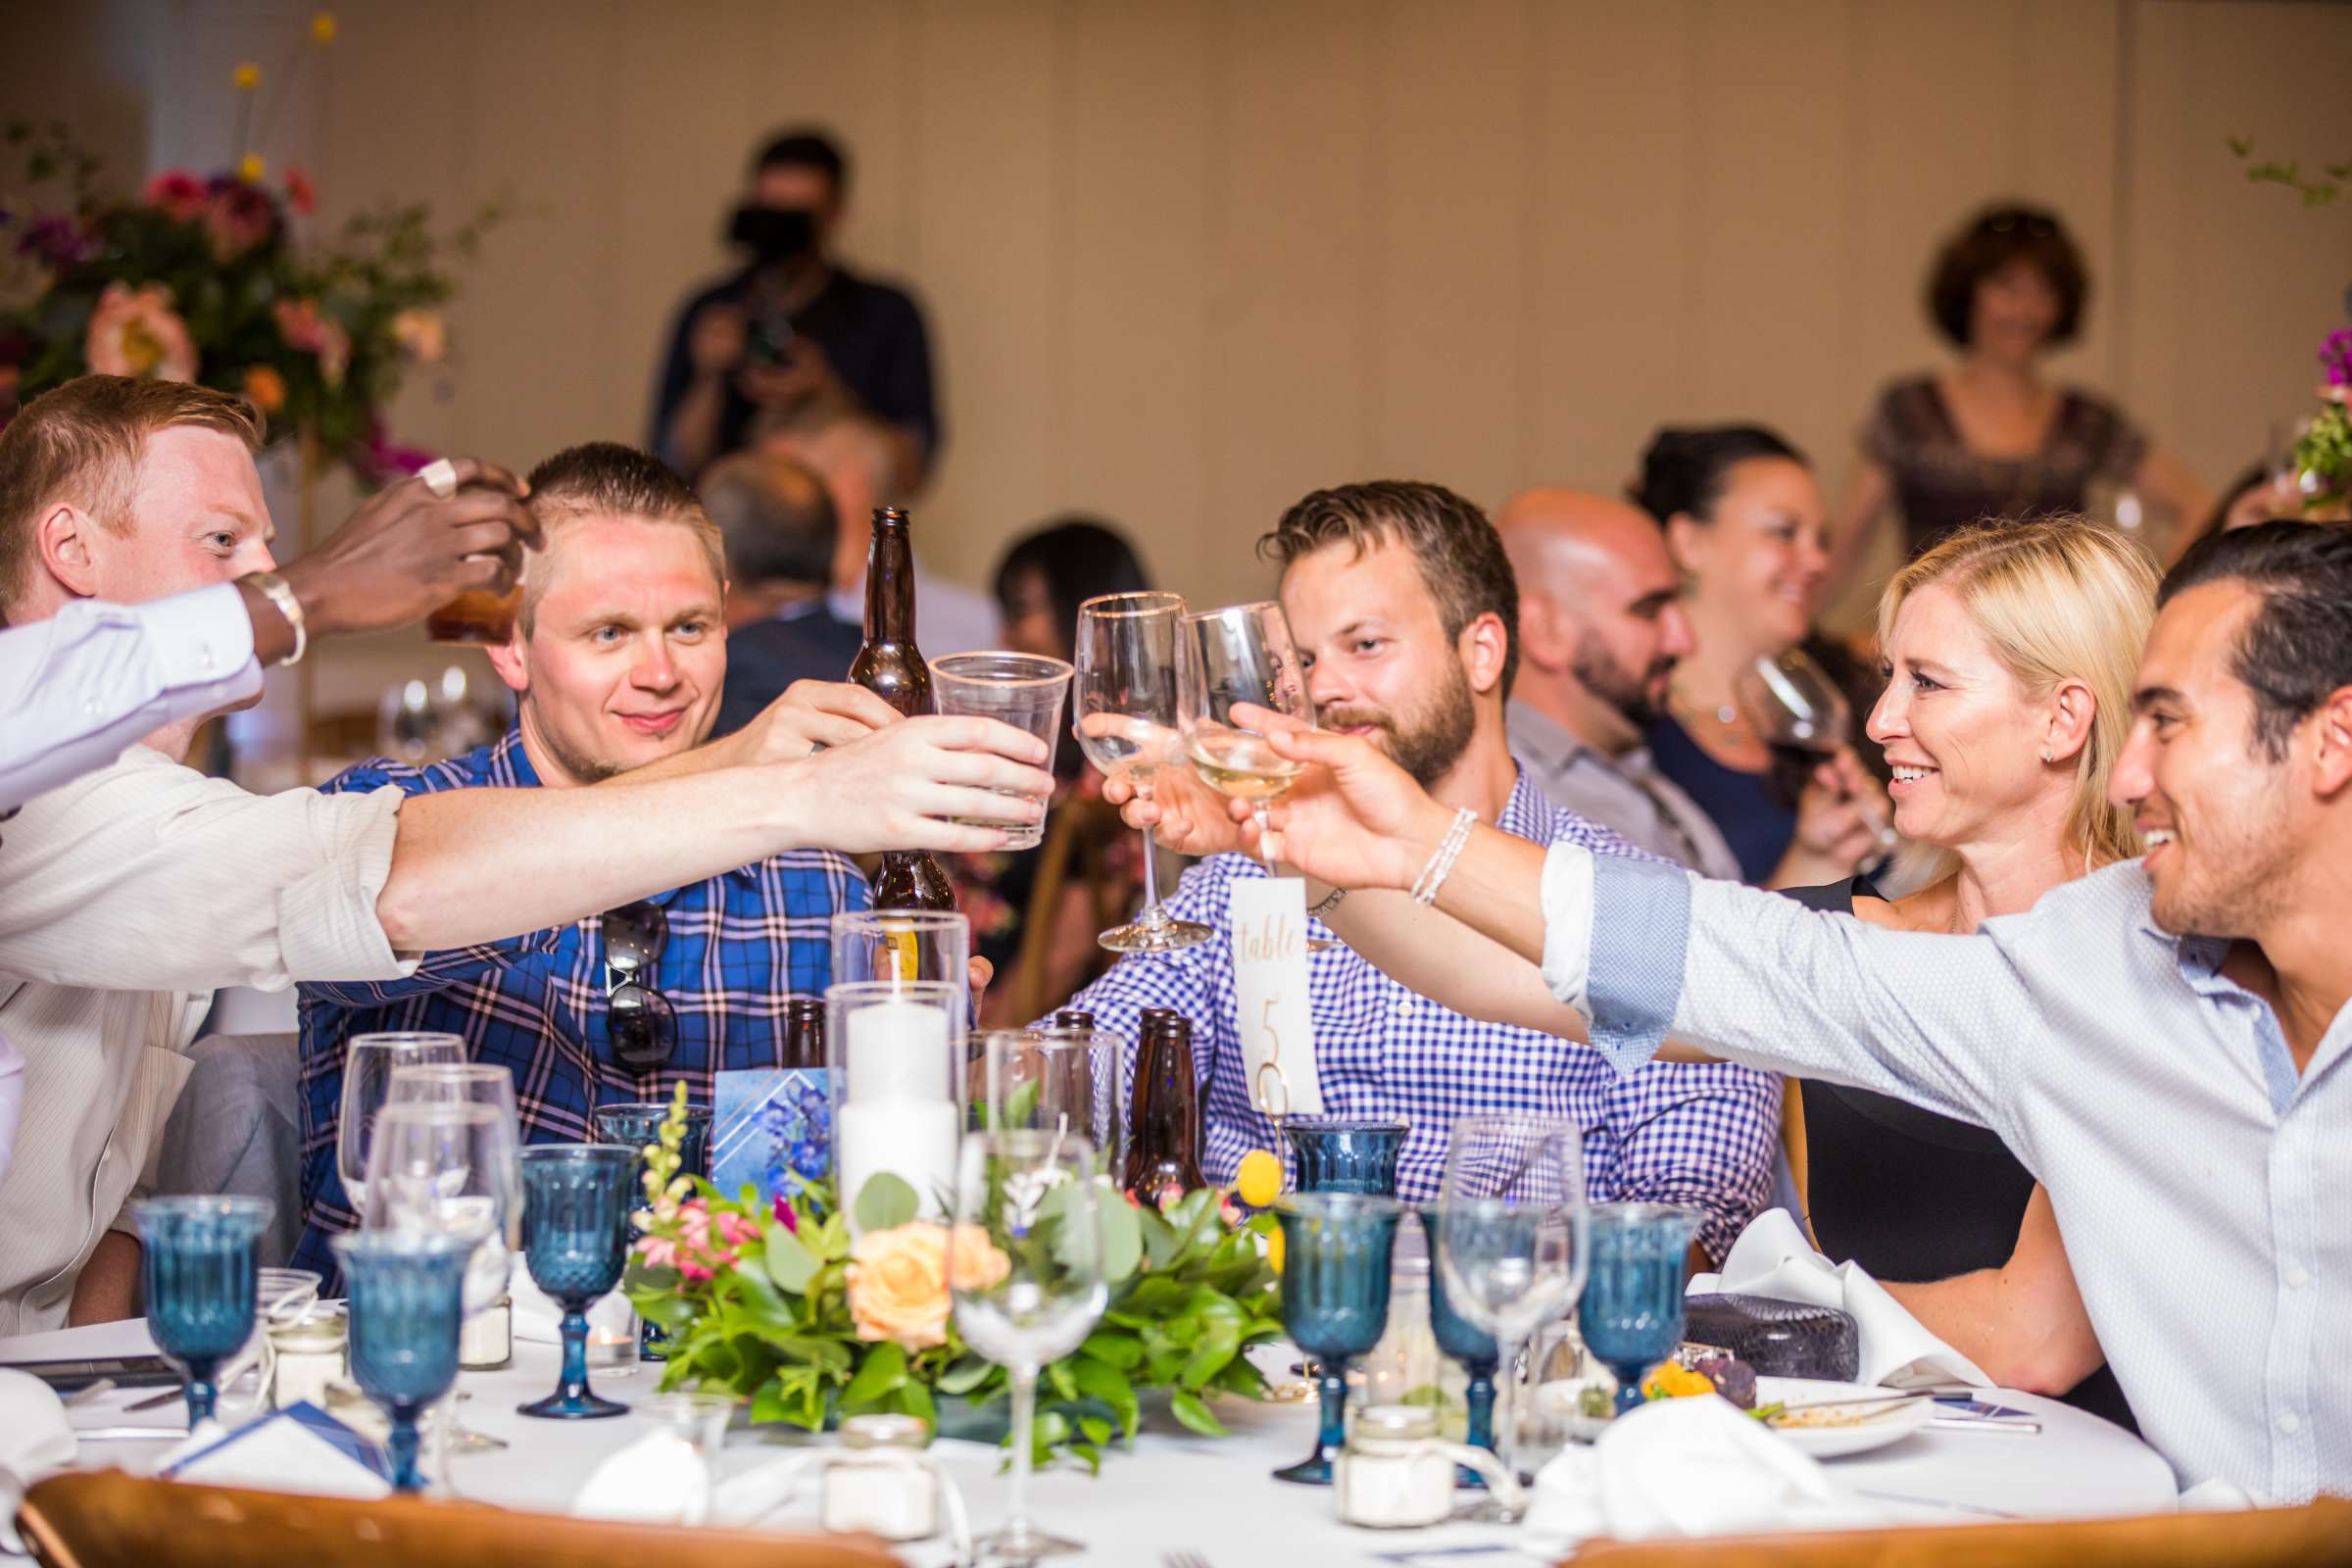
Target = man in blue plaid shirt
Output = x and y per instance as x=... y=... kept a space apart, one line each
x=619 y=657
x=1405 y=614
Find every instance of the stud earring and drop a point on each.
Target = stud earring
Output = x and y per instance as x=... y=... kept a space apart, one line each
x=2046 y=754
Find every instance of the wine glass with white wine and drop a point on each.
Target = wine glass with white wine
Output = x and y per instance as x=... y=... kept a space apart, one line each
x=1125 y=718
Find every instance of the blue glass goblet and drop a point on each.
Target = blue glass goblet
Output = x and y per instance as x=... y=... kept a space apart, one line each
x=1632 y=1315
x=1335 y=1298
x=576 y=1199
x=1472 y=1346
x=407 y=1307
x=1345 y=1153
x=634 y=1125
x=200 y=1265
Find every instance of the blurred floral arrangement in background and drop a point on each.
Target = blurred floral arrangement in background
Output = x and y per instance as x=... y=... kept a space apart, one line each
x=222 y=279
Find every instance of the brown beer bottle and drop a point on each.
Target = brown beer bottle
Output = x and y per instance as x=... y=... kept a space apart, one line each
x=805 y=1033
x=891 y=668
x=1164 y=1129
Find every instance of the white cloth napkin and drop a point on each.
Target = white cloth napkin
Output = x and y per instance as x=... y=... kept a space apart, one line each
x=656 y=1479
x=1683 y=1468
x=1772 y=1258
x=275 y=1453
x=538 y=1320
x=35 y=1439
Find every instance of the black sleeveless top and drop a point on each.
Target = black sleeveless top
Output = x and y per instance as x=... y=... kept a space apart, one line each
x=1911 y=1194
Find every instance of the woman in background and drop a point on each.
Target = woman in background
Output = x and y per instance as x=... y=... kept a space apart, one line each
x=1990 y=437
x=2010 y=652
x=1743 y=519
x=1044 y=577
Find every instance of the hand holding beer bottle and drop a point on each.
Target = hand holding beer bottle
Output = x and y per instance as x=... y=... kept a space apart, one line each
x=407 y=550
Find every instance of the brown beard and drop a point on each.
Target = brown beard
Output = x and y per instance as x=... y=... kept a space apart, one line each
x=1597 y=671
x=1427 y=741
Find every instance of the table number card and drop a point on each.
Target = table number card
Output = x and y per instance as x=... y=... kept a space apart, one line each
x=1269 y=981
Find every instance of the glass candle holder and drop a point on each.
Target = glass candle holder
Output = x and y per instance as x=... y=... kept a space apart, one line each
x=201 y=1269
x=1337 y=1251
x=1632 y=1315
x=896 y=1048
x=407 y=1302
x=1344 y=1153
x=909 y=946
x=695 y=1426
x=1054 y=1080
x=578 y=1198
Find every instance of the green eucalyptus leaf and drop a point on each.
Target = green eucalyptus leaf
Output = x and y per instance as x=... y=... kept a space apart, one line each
x=1120 y=1351
x=1208 y=1358
x=1091 y=1454
x=885 y=1369
x=1098 y=1381
x=1057 y=1374
x=965 y=1375
x=885 y=1203
x=1191 y=1410
x=1122 y=1241
x=1097 y=1430
x=790 y=1263
x=916 y=1399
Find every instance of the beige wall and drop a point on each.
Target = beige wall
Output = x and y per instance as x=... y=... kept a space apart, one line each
x=1185 y=261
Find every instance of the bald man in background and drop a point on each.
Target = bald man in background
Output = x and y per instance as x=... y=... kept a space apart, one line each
x=1601 y=627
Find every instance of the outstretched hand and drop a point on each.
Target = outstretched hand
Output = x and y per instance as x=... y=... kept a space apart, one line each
x=1354 y=818
x=921 y=783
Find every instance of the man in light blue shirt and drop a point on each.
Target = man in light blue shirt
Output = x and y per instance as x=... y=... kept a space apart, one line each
x=2164 y=1043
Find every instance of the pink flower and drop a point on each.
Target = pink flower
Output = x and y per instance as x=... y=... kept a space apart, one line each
x=737 y=1230
x=237 y=216
x=177 y=193
x=136 y=332
x=306 y=327
x=690 y=1270
x=300 y=194
x=658 y=1252
x=785 y=1216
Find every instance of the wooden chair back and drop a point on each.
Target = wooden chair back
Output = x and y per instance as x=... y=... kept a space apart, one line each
x=110 y=1519
x=2318 y=1534
x=1075 y=849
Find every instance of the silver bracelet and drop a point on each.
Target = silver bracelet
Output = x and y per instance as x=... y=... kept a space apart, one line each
x=270 y=586
x=1432 y=875
x=1326 y=903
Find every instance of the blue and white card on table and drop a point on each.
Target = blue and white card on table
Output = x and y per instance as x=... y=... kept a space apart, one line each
x=772 y=1128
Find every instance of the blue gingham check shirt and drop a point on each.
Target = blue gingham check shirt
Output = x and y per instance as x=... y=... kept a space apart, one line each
x=740 y=945
x=1701 y=1136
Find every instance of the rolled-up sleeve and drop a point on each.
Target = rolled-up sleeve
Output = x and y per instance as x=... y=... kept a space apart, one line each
x=80 y=687
x=147 y=875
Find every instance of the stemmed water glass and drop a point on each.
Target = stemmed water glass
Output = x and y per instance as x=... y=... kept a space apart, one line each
x=1510 y=1237
x=1803 y=718
x=1125 y=716
x=408 y=1296
x=1054 y=1081
x=1026 y=1271
x=1633 y=1308
x=578 y=1198
x=199 y=1266
x=369 y=1063
x=1335 y=1254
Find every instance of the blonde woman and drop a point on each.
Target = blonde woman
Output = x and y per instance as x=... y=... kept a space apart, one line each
x=2009 y=656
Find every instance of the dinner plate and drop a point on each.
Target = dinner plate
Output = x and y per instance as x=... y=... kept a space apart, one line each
x=1834 y=1433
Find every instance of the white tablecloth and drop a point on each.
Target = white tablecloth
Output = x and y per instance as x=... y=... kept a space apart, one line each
x=1215 y=1496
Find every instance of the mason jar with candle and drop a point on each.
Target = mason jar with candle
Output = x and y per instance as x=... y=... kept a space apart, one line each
x=897 y=1050
x=1396 y=1474
x=308 y=1347
x=881 y=1482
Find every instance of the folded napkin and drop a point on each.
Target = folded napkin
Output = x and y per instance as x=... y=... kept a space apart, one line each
x=35 y=1439
x=656 y=1479
x=1772 y=1258
x=1685 y=1468
x=299 y=1449
x=538 y=1320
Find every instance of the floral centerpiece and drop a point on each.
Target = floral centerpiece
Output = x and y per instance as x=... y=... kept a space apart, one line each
x=219 y=279
x=774 y=1302
x=2323 y=457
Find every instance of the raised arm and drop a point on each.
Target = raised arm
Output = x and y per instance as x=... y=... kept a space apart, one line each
x=2024 y=1323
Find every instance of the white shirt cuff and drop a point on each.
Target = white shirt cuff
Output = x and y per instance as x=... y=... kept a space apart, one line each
x=202 y=636
x=1567 y=893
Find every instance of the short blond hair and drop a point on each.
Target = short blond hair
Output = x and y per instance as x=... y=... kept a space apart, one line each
x=2059 y=599
x=605 y=478
x=82 y=443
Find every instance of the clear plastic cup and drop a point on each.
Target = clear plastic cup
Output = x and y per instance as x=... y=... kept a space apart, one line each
x=1023 y=690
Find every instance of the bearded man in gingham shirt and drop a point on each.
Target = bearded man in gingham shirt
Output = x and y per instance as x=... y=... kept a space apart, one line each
x=1404 y=611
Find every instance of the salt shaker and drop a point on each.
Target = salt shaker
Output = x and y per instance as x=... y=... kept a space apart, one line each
x=881 y=1482
x=1394 y=1474
x=309 y=1348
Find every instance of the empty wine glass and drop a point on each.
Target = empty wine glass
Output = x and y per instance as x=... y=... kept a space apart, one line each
x=1125 y=715
x=1803 y=718
x=1512 y=1232
x=1025 y=1272
x=368 y=1062
x=1054 y=1081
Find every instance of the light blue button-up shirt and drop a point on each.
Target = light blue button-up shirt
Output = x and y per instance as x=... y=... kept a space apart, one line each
x=2202 y=1184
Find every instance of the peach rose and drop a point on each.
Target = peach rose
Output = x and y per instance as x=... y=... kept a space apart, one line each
x=136 y=332
x=899 y=1280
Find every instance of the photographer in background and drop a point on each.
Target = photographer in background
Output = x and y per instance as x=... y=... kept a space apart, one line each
x=795 y=334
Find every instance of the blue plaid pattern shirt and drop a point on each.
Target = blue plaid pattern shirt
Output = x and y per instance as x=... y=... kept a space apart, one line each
x=740 y=946
x=1701 y=1135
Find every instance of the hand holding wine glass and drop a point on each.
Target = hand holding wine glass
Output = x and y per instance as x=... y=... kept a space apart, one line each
x=1125 y=713
x=1242 y=656
x=1803 y=718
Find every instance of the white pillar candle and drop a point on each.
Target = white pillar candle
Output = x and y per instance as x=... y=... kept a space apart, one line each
x=898 y=1110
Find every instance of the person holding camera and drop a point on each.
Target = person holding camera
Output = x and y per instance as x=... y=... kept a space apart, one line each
x=795 y=337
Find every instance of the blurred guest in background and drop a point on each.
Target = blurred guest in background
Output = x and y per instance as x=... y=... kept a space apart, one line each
x=776 y=521
x=1990 y=438
x=1035 y=913
x=1742 y=517
x=2011 y=651
x=795 y=331
x=1601 y=628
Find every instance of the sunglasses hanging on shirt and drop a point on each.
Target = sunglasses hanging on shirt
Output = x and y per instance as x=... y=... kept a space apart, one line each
x=638 y=1018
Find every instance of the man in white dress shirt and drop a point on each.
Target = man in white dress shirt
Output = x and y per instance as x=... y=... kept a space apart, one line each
x=2166 y=1043
x=128 y=895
